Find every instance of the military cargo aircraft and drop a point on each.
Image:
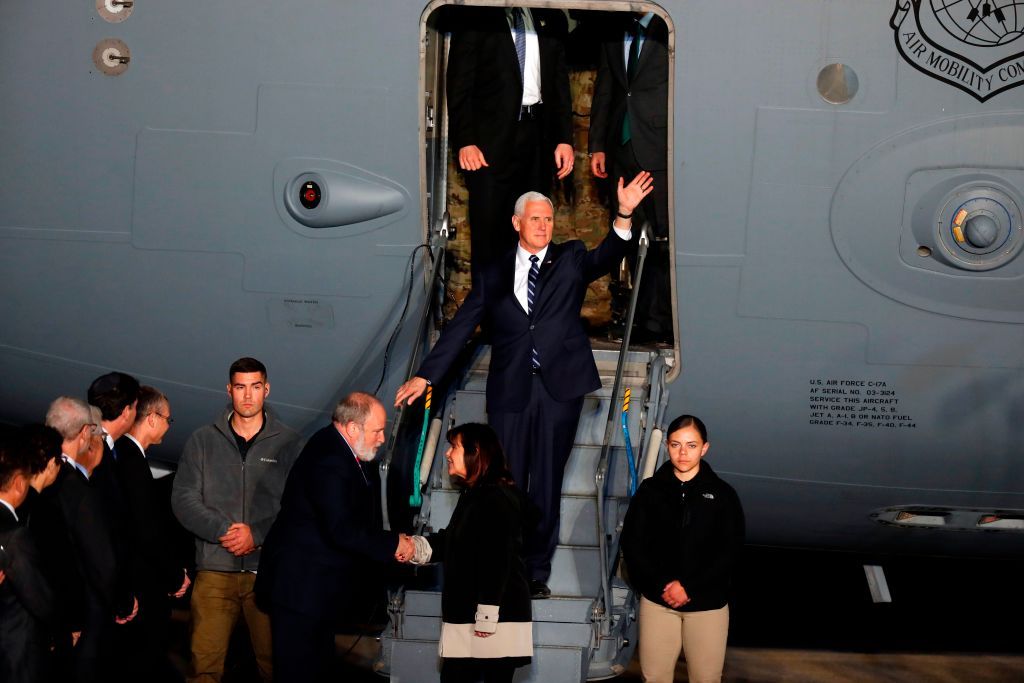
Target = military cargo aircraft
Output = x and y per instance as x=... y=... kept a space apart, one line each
x=184 y=183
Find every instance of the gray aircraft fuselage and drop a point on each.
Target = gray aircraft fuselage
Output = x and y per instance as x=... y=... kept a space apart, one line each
x=848 y=277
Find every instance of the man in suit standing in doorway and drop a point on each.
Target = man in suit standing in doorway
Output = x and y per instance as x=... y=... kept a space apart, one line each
x=629 y=132
x=510 y=116
x=541 y=361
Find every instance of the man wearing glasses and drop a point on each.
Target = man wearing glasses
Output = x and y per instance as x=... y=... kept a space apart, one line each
x=159 y=577
x=93 y=596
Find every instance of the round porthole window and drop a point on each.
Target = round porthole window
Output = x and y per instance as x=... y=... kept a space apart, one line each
x=837 y=83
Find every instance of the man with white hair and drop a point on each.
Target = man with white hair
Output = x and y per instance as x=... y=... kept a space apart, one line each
x=328 y=540
x=93 y=595
x=541 y=361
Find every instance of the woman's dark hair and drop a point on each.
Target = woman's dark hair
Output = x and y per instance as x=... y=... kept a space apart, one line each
x=37 y=445
x=684 y=421
x=485 y=460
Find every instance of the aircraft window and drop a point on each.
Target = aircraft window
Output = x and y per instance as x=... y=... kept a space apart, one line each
x=582 y=200
x=837 y=83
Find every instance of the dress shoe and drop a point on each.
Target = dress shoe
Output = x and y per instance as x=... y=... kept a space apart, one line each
x=539 y=590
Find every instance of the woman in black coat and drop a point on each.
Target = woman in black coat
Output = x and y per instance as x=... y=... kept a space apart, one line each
x=681 y=538
x=486 y=629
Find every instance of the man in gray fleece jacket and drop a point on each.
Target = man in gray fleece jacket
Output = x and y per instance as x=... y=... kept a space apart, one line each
x=227 y=492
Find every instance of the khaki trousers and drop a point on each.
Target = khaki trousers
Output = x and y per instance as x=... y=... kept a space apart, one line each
x=217 y=600
x=700 y=635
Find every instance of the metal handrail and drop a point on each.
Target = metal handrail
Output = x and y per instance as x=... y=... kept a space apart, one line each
x=602 y=465
x=649 y=459
x=438 y=248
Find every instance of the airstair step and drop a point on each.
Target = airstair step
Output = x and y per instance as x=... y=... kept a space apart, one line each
x=579 y=472
x=470 y=406
x=544 y=632
x=575 y=571
x=478 y=382
x=605 y=359
x=556 y=609
x=578 y=515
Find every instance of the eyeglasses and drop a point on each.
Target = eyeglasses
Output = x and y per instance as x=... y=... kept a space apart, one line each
x=170 y=420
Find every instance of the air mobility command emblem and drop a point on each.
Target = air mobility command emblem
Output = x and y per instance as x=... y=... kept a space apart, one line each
x=974 y=45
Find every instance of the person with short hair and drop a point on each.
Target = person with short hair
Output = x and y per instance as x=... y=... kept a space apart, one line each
x=681 y=539
x=27 y=601
x=116 y=394
x=71 y=521
x=158 y=577
x=541 y=361
x=510 y=122
x=486 y=615
x=227 y=492
x=629 y=132
x=328 y=542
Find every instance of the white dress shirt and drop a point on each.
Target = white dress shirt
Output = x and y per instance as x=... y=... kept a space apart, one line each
x=522 y=271
x=645 y=21
x=531 y=70
x=74 y=463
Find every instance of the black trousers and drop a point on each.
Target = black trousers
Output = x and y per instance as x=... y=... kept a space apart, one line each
x=303 y=646
x=494 y=189
x=470 y=670
x=142 y=643
x=654 y=300
x=537 y=443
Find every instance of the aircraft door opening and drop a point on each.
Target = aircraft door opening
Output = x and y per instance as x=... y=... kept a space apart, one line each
x=583 y=202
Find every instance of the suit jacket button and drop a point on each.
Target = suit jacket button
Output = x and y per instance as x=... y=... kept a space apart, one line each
x=532 y=326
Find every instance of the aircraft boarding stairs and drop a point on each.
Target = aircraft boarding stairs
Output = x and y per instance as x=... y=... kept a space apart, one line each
x=575 y=637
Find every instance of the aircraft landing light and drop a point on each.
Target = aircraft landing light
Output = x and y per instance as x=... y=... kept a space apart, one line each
x=950 y=518
x=1001 y=522
x=917 y=519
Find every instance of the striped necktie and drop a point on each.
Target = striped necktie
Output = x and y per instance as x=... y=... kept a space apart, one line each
x=531 y=295
x=519 y=29
x=519 y=36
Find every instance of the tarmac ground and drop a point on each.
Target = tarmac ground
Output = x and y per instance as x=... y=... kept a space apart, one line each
x=803 y=616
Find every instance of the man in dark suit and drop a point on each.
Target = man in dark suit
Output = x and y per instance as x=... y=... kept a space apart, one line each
x=541 y=361
x=327 y=541
x=26 y=599
x=510 y=121
x=93 y=595
x=158 y=577
x=116 y=394
x=629 y=132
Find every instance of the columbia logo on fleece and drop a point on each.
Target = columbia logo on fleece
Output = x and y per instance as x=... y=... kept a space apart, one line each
x=268 y=460
x=709 y=496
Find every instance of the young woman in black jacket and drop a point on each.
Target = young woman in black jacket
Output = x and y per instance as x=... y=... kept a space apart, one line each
x=681 y=538
x=486 y=630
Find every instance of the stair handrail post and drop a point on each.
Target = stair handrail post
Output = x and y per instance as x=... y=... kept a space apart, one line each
x=600 y=476
x=438 y=248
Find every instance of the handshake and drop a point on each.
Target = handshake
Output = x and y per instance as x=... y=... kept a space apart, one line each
x=413 y=549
